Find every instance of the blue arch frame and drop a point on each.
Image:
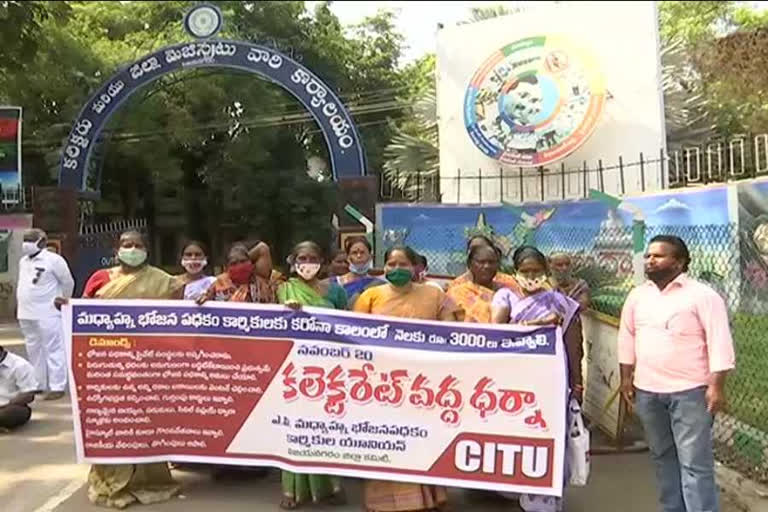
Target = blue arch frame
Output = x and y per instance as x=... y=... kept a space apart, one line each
x=344 y=145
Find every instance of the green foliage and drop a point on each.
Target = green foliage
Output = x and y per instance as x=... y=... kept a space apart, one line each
x=209 y=153
x=22 y=27
x=691 y=22
x=718 y=68
x=412 y=157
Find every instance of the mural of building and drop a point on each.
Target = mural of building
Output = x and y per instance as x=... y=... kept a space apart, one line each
x=597 y=233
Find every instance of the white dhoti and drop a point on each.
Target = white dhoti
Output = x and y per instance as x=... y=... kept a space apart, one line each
x=45 y=348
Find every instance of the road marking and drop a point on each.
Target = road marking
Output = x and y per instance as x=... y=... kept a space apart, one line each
x=61 y=496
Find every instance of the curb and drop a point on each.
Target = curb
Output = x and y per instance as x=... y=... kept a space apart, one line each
x=10 y=331
x=750 y=495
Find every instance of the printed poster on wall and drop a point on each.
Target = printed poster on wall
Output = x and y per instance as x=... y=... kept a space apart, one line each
x=10 y=148
x=318 y=391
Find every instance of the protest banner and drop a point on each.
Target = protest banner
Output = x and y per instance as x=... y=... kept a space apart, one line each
x=318 y=391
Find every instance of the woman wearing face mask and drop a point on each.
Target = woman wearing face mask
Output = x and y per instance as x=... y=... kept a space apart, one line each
x=133 y=277
x=564 y=280
x=501 y=279
x=249 y=277
x=533 y=304
x=420 y=272
x=194 y=259
x=402 y=297
x=306 y=289
x=119 y=485
x=475 y=296
x=358 y=279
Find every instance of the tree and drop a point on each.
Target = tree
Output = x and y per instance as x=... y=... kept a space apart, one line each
x=22 y=24
x=692 y=22
x=412 y=156
x=718 y=63
x=202 y=152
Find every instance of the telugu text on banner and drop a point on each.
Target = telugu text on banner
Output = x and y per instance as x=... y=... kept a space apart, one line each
x=315 y=391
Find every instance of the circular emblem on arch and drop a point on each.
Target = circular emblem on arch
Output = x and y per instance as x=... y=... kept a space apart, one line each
x=203 y=21
x=534 y=101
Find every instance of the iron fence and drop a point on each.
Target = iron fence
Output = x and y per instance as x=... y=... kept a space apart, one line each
x=727 y=260
x=716 y=161
x=16 y=200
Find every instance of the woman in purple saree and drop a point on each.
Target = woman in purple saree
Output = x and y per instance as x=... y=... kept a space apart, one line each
x=533 y=304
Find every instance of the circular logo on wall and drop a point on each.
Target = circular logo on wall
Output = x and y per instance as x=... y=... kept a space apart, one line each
x=203 y=21
x=534 y=101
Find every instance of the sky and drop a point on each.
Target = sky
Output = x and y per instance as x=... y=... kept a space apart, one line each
x=417 y=21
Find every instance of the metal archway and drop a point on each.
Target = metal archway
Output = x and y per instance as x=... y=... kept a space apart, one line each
x=344 y=145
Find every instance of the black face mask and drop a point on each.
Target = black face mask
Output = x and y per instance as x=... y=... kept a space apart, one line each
x=663 y=275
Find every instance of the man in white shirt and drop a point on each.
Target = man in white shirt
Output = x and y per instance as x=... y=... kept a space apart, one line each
x=17 y=390
x=43 y=276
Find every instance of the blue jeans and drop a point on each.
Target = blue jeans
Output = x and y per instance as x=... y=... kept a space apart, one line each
x=678 y=429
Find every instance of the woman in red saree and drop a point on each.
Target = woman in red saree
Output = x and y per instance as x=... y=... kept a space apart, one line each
x=249 y=277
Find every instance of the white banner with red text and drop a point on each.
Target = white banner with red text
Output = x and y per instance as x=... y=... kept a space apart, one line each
x=318 y=391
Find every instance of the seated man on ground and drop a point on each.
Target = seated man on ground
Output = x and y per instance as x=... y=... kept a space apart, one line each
x=17 y=390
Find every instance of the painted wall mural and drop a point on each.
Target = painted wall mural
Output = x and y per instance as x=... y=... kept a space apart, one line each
x=534 y=101
x=596 y=233
x=554 y=84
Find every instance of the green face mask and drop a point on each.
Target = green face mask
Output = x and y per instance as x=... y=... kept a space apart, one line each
x=133 y=257
x=399 y=276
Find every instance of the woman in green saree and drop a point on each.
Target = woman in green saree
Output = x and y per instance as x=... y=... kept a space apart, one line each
x=305 y=289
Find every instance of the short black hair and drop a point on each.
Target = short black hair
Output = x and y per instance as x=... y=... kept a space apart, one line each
x=335 y=251
x=482 y=237
x=681 y=250
x=238 y=246
x=473 y=252
x=349 y=242
x=409 y=253
x=308 y=244
x=134 y=232
x=423 y=260
x=198 y=243
x=525 y=252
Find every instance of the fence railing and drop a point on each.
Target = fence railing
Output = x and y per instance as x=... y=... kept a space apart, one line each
x=16 y=200
x=721 y=258
x=716 y=161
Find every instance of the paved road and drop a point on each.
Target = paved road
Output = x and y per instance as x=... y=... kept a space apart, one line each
x=38 y=474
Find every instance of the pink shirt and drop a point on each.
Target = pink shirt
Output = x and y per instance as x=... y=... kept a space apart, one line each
x=676 y=337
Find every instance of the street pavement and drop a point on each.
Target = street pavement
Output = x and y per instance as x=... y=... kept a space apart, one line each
x=38 y=473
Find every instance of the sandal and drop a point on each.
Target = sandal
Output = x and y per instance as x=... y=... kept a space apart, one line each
x=288 y=503
x=336 y=499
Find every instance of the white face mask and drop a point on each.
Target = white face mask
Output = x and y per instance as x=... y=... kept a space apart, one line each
x=362 y=269
x=30 y=248
x=194 y=266
x=307 y=271
x=531 y=284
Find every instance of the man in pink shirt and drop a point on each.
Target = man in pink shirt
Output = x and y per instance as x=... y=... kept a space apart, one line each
x=675 y=350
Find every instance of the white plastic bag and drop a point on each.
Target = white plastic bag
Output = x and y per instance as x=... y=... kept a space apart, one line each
x=577 y=448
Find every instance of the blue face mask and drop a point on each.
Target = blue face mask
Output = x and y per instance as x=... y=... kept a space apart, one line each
x=362 y=269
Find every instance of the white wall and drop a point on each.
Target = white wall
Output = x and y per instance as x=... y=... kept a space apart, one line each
x=601 y=377
x=621 y=37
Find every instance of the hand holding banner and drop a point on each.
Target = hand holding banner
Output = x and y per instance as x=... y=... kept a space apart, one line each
x=318 y=391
